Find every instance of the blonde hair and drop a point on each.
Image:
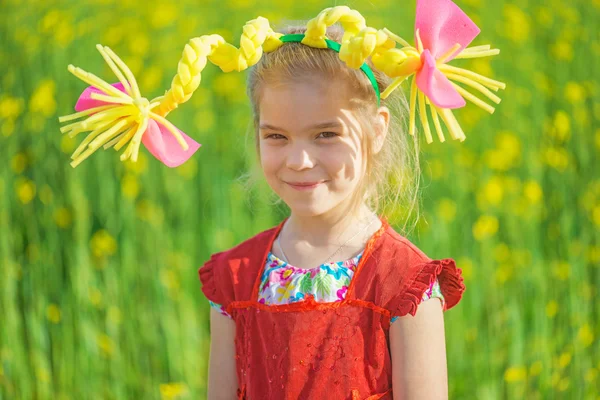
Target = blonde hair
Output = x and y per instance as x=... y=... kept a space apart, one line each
x=390 y=184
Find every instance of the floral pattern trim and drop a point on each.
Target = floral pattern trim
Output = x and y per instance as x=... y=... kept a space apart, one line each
x=282 y=283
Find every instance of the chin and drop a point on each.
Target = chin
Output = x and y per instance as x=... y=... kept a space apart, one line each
x=307 y=208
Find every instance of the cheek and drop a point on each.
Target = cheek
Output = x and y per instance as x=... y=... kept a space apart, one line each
x=268 y=160
x=343 y=165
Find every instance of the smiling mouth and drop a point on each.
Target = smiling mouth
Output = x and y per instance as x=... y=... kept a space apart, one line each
x=304 y=185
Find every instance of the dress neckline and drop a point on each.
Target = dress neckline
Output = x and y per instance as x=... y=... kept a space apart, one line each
x=339 y=263
x=367 y=252
x=354 y=259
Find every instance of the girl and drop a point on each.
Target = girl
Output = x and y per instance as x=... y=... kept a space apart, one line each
x=332 y=302
x=318 y=306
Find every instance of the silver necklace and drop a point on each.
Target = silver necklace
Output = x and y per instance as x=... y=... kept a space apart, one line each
x=331 y=256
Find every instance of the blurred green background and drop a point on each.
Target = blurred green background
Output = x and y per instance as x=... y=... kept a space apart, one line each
x=99 y=293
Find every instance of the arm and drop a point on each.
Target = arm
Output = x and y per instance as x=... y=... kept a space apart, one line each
x=222 y=378
x=418 y=350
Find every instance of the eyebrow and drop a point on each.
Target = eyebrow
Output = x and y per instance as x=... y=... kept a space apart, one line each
x=322 y=125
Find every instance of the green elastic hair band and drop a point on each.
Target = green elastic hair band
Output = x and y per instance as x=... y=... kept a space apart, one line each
x=336 y=46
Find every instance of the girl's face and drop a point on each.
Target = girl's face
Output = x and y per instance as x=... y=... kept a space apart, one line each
x=310 y=149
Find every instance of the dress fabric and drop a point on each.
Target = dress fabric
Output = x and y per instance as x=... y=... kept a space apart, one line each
x=282 y=283
x=334 y=342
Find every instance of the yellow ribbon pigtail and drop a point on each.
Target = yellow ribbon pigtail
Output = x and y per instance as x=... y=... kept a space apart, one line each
x=409 y=66
x=126 y=117
x=256 y=34
x=360 y=42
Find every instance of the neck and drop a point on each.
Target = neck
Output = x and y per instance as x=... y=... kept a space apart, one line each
x=329 y=229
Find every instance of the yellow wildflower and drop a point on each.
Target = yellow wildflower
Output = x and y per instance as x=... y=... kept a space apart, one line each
x=515 y=374
x=551 y=308
x=485 y=227
x=53 y=313
x=169 y=391
x=103 y=244
x=25 y=189
x=585 y=335
x=43 y=99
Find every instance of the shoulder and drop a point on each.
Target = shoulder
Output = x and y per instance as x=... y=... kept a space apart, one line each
x=398 y=243
x=228 y=275
x=398 y=254
x=405 y=273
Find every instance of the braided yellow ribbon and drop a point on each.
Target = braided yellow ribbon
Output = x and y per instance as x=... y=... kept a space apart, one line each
x=124 y=115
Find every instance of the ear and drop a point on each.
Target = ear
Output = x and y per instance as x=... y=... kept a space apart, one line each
x=382 y=123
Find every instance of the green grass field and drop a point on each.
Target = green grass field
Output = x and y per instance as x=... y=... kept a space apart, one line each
x=99 y=292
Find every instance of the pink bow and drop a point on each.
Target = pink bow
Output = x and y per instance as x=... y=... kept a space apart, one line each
x=157 y=139
x=441 y=24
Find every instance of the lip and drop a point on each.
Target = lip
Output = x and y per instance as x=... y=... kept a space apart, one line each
x=304 y=185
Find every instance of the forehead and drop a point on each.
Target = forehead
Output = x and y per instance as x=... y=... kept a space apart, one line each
x=296 y=105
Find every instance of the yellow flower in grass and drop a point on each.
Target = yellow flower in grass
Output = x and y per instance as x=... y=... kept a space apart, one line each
x=105 y=344
x=501 y=252
x=189 y=169
x=506 y=154
x=466 y=265
x=150 y=212
x=596 y=215
x=562 y=50
x=516 y=23
x=533 y=192
x=53 y=313
x=169 y=391
x=114 y=315
x=11 y=107
x=447 y=209
x=544 y=16
x=485 y=227
x=591 y=375
x=471 y=334
x=493 y=191
x=592 y=255
x=585 y=336
x=95 y=297
x=561 y=126
x=504 y=273
x=43 y=99
x=130 y=186
x=535 y=369
x=7 y=127
x=556 y=157
x=19 y=162
x=46 y=195
x=42 y=374
x=62 y=217
x=103 y=244
x=25 y=189
x=515 y=374
x=169 y=279
x=564 y=384
x=551 y=308
x=562 y=270
x=138 y=167
x=163 y=14
x=574 y=92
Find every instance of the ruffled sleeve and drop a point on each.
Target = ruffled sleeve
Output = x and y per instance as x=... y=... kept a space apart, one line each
x=451 y=286
x=209 y=276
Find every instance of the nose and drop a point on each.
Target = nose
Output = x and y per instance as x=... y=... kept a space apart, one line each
x=299 y=157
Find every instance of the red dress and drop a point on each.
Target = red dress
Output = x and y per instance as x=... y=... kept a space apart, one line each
x=312 y=350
